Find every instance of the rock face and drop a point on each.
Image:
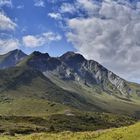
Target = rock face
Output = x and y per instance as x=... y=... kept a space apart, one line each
x=70 y=66
x=11 y=59
x=118 y=83
x=73 y=66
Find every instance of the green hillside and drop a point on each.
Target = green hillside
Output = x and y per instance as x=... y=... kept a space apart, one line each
x=34 y=101
x=17 y=83
x=124 y=133
x=30 y=102
x=114 y=102
x=109 y=94
x=24 y=91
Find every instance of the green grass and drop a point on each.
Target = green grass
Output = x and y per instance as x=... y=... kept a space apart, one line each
x=24 y=83
x=61 y=109
x=102 y=100
x=30 y=107
x=27 y=93
x=67 y=121
x=36 y=104
x=123 y=133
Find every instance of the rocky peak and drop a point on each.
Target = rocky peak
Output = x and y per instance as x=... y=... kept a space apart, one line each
x=70 y=66
x=11 y=59
x=17 y=53
x=72 y=59
x=72 y=55
x=42 y=61
x=37 y=54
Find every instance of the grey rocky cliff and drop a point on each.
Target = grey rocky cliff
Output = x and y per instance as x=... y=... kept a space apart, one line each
x=70 y=66
x=75 y=67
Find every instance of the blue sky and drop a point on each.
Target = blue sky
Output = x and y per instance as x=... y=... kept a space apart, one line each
x=31 y=18
x=107 y=31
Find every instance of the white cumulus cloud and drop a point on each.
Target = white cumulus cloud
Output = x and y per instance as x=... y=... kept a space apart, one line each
x=89 y=6
x=40 y=40
x=6 y=23
x=39 y=3
x=67 y=8
x=55 y=15
x=5 y=3
x=20 y=7
x=111 y=36
x=7 y=45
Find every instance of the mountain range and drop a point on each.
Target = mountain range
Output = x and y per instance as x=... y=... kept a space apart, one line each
x=38 y=85
x=71 y=72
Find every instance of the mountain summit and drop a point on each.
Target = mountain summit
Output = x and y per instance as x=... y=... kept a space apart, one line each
x=73 y=66
x=11 y=58
x=75 y=81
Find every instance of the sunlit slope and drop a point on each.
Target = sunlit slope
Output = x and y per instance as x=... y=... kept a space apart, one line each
x=114 y=103
x=124 y=133
x=102 y=89
x=25 y=91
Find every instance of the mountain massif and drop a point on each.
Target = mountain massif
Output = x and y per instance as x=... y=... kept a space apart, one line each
x=11 y=58
x=68 y=89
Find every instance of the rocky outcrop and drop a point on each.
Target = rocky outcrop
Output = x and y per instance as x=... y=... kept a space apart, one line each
x=73 y=66
x=11 y=59
x=70 y=66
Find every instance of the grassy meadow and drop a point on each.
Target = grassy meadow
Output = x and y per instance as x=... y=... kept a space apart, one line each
x=124 y=133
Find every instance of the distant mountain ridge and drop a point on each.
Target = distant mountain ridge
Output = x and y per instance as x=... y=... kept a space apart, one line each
x=11 y=59
x=73 y=66
x=75 y=81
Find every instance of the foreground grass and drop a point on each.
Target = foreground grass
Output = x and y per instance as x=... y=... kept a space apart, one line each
x=124 y=133
x=69 y=121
